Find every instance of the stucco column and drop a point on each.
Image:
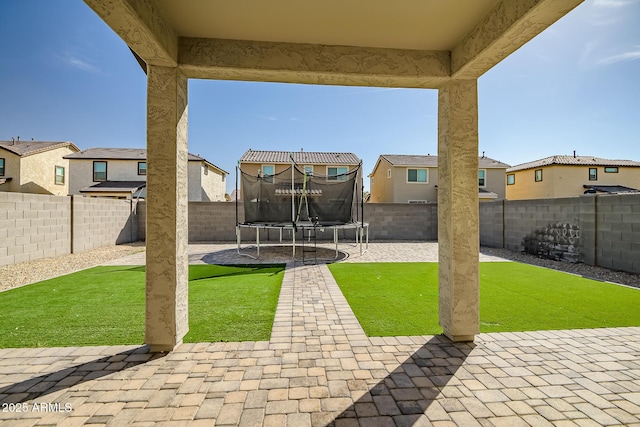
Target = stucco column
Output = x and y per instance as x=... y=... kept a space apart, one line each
x=458 y=217
x=167 y=203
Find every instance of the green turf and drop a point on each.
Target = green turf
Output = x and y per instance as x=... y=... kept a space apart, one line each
x=401 y=298
x=106 y=306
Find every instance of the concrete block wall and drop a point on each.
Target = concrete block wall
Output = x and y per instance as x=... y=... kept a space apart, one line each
x=609 y=226
x=617 y=232
x=99 y=222
x=33 y=226
x=492 y=224
x=213 y=221
x=524 y=217
x=402 y=221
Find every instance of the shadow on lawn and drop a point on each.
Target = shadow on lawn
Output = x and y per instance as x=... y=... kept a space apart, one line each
x=404 y=395
x=201 y=272
x=34 y=388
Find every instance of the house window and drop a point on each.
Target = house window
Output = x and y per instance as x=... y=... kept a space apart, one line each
x=59 y=175
x=538 y=175
x=611 y=170
x=142 y=168
x=308 y=170
x=99 y=171
x=482 y=178
x=593 y=174
x=388 y=173
x=337 y=173
x=268 y=171
x=206 y=170
x=511 y=179
x=417 y=175
x=1 y=167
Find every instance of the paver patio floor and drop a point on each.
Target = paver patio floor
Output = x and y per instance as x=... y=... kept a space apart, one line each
x=319 y=368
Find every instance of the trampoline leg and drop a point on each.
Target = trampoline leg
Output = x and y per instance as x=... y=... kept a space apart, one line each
x=293 y=250
x=257 y=243
x=335 y=240
x=239 y=243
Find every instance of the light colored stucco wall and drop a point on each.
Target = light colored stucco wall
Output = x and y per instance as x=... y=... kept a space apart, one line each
x=12 y=170
x=213 y=183
x=405 y=191
x=567 y=181
x=195 y=181
x=381 y=187
x=397 y=190
x=201 y=187
x=205 y=187
x=81 y=172
x=496 y=182
x=36 y=173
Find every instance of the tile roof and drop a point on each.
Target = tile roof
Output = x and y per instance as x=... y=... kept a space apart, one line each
x=573 y=161
x=28 y=148
x=300 y=157
x=125 y=154
x=432 y=161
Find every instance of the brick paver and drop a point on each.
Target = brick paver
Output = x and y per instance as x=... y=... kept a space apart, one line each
x=319 y=368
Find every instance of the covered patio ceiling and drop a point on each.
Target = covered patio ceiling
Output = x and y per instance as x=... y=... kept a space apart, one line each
x=405 y=43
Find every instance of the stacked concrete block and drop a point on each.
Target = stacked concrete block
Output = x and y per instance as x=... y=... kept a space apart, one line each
x=526 y=218
x=33 y=226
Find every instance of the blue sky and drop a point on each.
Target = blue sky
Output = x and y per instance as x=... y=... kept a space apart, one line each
x=64 y=75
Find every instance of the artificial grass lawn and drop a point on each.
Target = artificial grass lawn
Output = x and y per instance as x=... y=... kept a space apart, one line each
x=106 y=306
x=402 y=298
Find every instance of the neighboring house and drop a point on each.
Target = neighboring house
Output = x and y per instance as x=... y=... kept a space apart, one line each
x=35 y=166
x=122 y=173
x=567 y=176
x=401 y=178
x=267 y=163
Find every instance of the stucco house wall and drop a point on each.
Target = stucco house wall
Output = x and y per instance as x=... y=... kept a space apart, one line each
x=36 y=173
x=567 y=181
x=495 y=182
x=201 y=186
x=213 y=183
x=389 y=182
x=405 y=191
x=81 y=173
x=12 y=170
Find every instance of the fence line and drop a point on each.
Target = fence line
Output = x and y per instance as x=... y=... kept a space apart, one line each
x=596 y=230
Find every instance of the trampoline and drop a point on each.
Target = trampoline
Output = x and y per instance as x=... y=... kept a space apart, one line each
x=295 y=200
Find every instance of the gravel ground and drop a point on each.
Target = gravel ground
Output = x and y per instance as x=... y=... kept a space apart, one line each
x=15 y=275
x=591 y=272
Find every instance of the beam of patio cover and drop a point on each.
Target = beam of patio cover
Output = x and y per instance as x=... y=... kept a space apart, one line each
x=312 y=64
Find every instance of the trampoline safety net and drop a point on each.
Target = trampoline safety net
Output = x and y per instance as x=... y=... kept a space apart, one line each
x=293 y=196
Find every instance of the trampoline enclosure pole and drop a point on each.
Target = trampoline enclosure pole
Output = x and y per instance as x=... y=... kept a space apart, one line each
x=237 y=167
